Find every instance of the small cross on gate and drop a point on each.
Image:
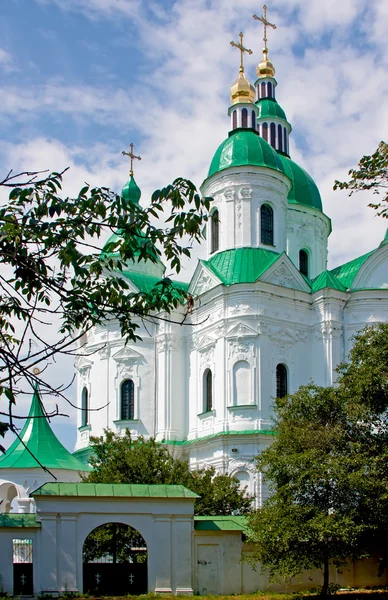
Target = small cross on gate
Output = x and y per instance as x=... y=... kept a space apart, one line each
x=98 y=578
x=23 y=579
x=266 y=24
x=131 y=156
x=131 y=578
x=242 y=50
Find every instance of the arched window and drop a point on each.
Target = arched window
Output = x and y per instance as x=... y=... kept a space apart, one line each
x=215 y=231
x=304 y=262
x=235 y=119
x=263 y=94
x=281 y=381
x=127 y=400
x=244 y=118
x=273 y=135
x=207 y=391
x=254 y=120
x=269 y=90
x=280 y=138
x=266 y=225
x=285 y=141
x=241 y=383
x=85 y=407
x=265 y=131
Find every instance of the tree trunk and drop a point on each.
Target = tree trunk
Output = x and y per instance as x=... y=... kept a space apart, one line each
x=325 y=587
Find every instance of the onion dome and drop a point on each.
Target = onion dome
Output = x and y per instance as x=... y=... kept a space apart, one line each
x=245 y=147
x=304 y=189
x=265 y=68
x=131 y=191
x=242 y=90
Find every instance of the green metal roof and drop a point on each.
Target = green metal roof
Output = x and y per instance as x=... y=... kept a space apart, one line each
x=244 y=147
x=118 y=490
x=304 y=189
x=207 y=438
x=347 y=273
x=241 y=265
x=18 y=520
x=131 y=191
x=39 y=442
x=327 y=280
x=220 y=523
x=146 y=283
x=268 y=107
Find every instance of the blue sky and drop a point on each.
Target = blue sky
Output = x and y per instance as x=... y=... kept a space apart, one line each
x=81 y=79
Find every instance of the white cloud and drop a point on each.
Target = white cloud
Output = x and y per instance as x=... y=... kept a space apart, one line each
x=7 y=63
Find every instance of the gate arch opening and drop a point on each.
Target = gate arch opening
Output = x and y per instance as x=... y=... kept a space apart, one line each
x=115 y=558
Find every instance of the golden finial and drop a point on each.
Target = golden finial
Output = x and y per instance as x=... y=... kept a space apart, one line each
x=265 y=68
x=242 y=50
x=36 y=371
x=131 y=156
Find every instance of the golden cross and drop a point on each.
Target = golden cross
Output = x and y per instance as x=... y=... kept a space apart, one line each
x=131 y=156
x=266 y=24
x=242 y=50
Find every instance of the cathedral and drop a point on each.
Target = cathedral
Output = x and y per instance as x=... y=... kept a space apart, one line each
x=268 y=315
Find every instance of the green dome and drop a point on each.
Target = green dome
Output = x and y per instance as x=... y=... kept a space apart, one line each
x=304 y=190
x=244 y=147
x=131 y=191
x=268 y=107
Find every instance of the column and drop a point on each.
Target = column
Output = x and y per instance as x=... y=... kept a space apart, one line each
x=67 y=553
x=182 y=529
x=48 y=549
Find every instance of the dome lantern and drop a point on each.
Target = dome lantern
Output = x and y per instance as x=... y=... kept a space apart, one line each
x=242 y=112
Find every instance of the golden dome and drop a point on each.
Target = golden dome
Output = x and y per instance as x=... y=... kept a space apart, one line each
x=242 y=90
x=265 y=68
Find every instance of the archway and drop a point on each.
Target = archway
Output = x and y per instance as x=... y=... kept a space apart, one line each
x=114 y=561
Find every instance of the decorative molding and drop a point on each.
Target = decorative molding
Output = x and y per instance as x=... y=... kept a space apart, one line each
x=239 y=309
x=240 y=330
x=205 y=342
x=245 y=191
x=128 y=355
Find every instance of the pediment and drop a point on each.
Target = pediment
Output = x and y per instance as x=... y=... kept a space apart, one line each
x=83 y=363
x=205 y=342
x=128 y=354
x=283 y=335
x=203 y=280
x=241 y=330
x=284 y=273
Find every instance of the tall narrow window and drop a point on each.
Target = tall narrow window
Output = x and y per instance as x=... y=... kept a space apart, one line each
x=85 y=407
x=235 y=119
x=280 y=138
x=273 y=135
x=244 y=118
x=215 y=231
x=127 y=400
x=304 y=262
x=263 y=94
x=285 y=141
x=265 y=131
x=266 y=225
x=254 y=120
x=281 y=381
x=207 y=391
x=269 y=90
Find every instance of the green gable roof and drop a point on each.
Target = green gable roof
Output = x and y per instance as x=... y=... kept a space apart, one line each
x=327 y=280
x=304 y=189
x=39 y=442
x=268 y=107
x=18 y=520
x=118 y=490
x=220 y=523
x=241 y=265
x=244 y=147
x=347 y=273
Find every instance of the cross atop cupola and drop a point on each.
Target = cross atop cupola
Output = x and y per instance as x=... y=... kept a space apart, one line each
x=132 y=156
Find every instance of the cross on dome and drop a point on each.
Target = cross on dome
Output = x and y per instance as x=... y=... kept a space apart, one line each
x=266 y=24
x=242 y=50
x=131 y=156
x=265 y=68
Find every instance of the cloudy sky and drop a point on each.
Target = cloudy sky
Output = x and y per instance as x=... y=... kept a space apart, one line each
x=81 y=79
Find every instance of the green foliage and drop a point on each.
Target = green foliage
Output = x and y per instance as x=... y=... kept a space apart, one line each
x=371 y=174
x=120 y=542
x=326 y=469
x=120 y=459
x=53 y=269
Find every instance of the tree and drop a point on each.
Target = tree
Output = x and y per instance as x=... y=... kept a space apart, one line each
x=371 y=174
x=53 y=271
x=121 y=459
x=326 y=469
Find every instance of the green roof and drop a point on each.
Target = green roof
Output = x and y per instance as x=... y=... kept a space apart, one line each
x=131 y=191
x=268 y=107
x=327 y=280
x=207 y=438
x=18 y=520
x=241 y=265
x=304 y=189
x=38 y=443
x=347 y=273
x=118 y=490
x=244 y=147
x=146 y=283
x=220 y=523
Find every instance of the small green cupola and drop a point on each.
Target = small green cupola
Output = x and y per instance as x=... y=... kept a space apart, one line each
x=131 y=191
x=38 y=446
